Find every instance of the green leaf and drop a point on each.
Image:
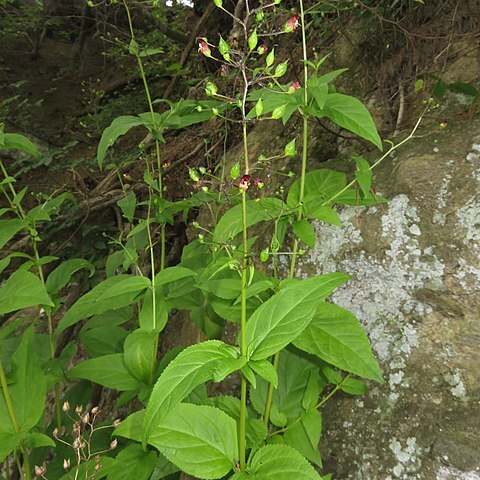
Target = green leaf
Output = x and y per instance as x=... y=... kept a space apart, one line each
x=349 y=113
x=319 y=91
x=139 y=354
x=37 y=439
x=279 y=462
x=305 y=436
x=211 y=360
x=109 y=371
x=253 y=40
x=264 y=369
x=363 y=175
x=120 y=126
x=172 y=274
x=103 y=340
x=131 y=286
x=313 y=208
x=297 y=379
x=320 y=185
x=19 y=142
x=290 y=148
x=131 y=427
x=88 y=305
x=9 y=442
x=132 y=462
x=466 y=88
x=352 y=386
x=201 y=440
x=23 y=289
x=146 y=317
x=9 y=228
x=230 y=224
x=27 y=388
x=305 y=232
x=59 y=277
x=127 y=204
x=279 y=320
x=336 y=336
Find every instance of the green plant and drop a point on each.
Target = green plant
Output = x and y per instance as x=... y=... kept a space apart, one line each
x=295 y=350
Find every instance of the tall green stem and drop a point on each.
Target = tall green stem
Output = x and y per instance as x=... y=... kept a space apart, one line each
x=268 y=402
x=160 y=188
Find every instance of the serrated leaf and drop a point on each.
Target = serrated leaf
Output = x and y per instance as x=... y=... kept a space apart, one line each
x=211 y=360
x=199 y=439
x=108 y=370
x=265 y=369
x=131 y=286
x=336 y=336
x=349 y=113
x=313 y=208
x=279 y=320
x=280 y=462
x=22 y=289
x=128 y=204
x=305 y=232
x=120 y=126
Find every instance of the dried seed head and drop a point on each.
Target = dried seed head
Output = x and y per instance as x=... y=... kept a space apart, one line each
x=116 y=423
x=97 y=458
x=97 y=467
x=66 y=407
x=113 y=444
x=55 y=432
x=40 y=471
x=86 y=418
x=95 y=410
x=77 y=443
x=66 y=463
x=78 y=409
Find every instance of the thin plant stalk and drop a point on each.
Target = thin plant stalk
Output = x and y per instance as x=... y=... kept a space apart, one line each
x=160 y=191
x=269 y=399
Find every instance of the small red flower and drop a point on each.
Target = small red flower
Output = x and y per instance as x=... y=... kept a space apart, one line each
x=165 y=164
x=245 y=182
x=262 y=49
x=127 y=176
x=291 y=25
x=294 y=87
x=204 y=49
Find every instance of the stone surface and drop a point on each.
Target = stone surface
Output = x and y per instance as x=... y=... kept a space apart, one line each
x=415 y=265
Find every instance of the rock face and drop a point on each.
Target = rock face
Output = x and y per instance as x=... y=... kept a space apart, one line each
x=415 y=264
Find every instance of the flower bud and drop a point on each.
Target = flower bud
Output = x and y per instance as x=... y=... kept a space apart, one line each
x=291 y=25
x=244 y=182
x=294 y=87
x=262 y=49
x=259 y=183
x=204 y=49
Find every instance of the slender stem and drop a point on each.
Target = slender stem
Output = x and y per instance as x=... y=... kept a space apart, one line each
x=268 y=403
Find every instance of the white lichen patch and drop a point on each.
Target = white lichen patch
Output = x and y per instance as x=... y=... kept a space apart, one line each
x=455 y=381
x=450 y=473
x=407 y=458
x=468 y=218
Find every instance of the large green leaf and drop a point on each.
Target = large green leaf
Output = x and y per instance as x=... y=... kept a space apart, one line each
x=120 y=126
x=211 y=360
x=172 y=274
x=294 y=380
x=129 y=286
x=9 y=228
x=199 y=439
x=19 y=142
x=23 y=289
x=140 y=354
x=108 y=370
x=132 y=462
x=322 y=183
x=59 y=277
x=304 y=435
x=278 y=462
x=88 y=305
x=350 y=113
x=336 y=336
x=27 y=388
x=257 y=211
x=279 y=320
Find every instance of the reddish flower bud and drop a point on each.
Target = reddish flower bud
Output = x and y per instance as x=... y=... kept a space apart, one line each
x=204 y=49
x=259 y=183
x=262 y=49
x=291 y=25
x=165 y=164
x=294 y=87
x=245 y=182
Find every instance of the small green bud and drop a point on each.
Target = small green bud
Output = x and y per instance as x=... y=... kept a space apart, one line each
x=193 y=174
x=270 y=58
x=253 y=40
x=259 y=107
x=235 y=170
x=290 y=148
x=196 y=225
x=279 y=112
x=264 y=255
x=281 y=69
x=210 y=89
